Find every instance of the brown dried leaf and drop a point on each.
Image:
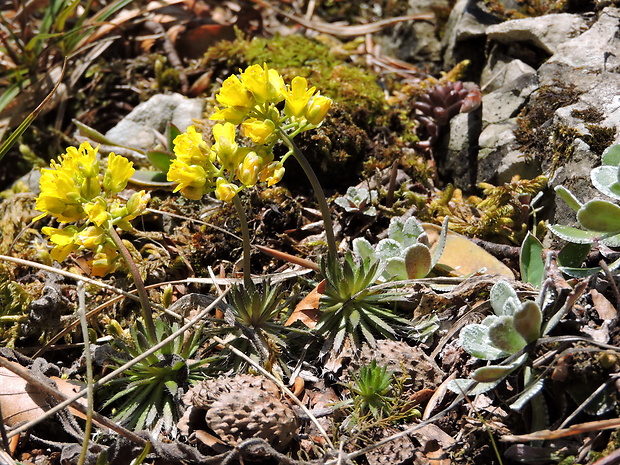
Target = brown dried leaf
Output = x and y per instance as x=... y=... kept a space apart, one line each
x=604 y=308
x=307 y=311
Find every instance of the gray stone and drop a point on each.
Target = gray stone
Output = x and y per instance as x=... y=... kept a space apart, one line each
x=464 y=34
x=500 y=70
x=137 y=128
x=507 y=101
x=588 y=59
x=545 y=32
x=499 y=158
x=414 y=41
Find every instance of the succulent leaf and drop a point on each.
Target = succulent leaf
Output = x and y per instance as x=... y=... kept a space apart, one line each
x=570 y=234
x=527 y=321
x=475 y=341
x=504 y=336
x=418 y=261
x=600 y=215
x=504 y=299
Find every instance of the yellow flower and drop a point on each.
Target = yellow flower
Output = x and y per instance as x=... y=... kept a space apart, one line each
x=97 y=211
x=318 y=108
x=249 y=169
x=137 y=204
x=60 y=195
x=258 y=130
x=65 y=241
x=191 y=148
x=297 y=97
x=190 y=178
x=117 y=174
x=230 y=114
x=272 y=173
x=225 y=147
x=82 y=159
x=266 y=85
x=91 y=237
x=104 y=261
x=224 y=190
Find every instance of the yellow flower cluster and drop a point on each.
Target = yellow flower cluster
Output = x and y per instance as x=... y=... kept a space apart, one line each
x=249 y=104
x=73 y=191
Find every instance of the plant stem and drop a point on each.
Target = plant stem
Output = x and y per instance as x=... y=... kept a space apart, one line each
x=147 y=312
x=318 y=192
x=245 y=234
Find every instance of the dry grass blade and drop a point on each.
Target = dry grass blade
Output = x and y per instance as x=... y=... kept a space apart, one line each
x=100 y=419
x=120 y=370
x=545 y=435
x=348 y=31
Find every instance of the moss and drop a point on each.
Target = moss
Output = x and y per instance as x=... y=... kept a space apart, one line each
x=600 y=137
x=295 y=55
x=536 y=134
x=525 y=8
x=589 y=115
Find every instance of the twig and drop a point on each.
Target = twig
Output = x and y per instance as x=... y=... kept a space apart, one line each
x=348 y=31
x=89 y=372
x=120 y=370
x=172 y=54
x=102 y=420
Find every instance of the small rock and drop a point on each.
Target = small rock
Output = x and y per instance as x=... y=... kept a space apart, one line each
x=545 y=32
x=137 y=128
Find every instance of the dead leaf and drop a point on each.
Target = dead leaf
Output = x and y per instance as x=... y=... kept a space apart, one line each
x=307 y=311
x=22 y=402
x=604 y=308
x=463 y=256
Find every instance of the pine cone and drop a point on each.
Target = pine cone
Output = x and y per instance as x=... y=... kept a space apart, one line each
x=422 y=370
x=240 y=408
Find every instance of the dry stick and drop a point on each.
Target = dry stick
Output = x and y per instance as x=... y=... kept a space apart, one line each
x=102 y=420
x=119 y=371
x=280 y=384
x=68 y=274
x=612 y=281
x=175 y=61
x=348 y=31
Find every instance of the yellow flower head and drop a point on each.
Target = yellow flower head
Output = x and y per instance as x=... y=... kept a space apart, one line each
x=266 y=85
x=60 y=195
x=65 y=241
x=191 y=179
x=258 y=130
x=236 y=96
x=117 y=173
x=224 y=190
x=226 y=147
x=104 y=261
x=97 y=211
x=191 y=148
x=91 y=237
x=317 y=109
x=297 y=97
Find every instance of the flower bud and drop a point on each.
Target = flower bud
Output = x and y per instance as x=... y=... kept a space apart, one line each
x=224 y=190
x=249 y=169
x=318 y=108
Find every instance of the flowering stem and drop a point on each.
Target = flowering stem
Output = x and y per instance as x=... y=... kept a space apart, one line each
x=147 y=313
x=318 y=191
x=245 y=234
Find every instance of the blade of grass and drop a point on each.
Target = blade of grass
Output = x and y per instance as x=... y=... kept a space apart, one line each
x=8 y=143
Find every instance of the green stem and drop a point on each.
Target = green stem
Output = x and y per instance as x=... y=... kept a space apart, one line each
x=147 y=312
x=245 y=234
x=318 y=192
